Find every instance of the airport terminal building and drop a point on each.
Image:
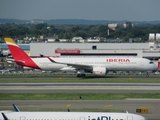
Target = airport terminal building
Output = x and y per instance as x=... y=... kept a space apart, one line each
x=144 y=50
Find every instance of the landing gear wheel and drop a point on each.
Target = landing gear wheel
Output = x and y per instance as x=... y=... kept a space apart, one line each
x=78 y=75
x=81 y=75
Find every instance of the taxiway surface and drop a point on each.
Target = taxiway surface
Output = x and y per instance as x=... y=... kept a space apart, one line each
x=130 y=105
x=80 y=87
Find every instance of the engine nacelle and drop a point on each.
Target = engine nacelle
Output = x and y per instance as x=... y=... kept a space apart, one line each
x=102 y=71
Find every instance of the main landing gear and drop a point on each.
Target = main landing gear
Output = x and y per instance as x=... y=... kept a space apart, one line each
x=147 y=74
x=81 y=75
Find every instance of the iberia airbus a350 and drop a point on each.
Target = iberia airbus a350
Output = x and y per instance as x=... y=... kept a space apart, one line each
x=96 y=66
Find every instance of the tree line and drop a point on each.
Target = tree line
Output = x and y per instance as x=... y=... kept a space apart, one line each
x=19 y=31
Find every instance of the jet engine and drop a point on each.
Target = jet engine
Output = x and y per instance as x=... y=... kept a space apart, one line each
x=102 y=71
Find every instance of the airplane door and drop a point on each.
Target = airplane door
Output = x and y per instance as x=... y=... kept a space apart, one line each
x=129 y=118
x=82 y=118
x=22 y=118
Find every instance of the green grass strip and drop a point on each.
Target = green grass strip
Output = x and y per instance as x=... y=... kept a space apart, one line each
x=80 y=80
x=76 y=96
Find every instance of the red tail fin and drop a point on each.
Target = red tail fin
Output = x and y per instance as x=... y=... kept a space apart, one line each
x=20 y=57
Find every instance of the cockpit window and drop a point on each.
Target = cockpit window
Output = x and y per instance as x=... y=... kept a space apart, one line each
x=150 y=62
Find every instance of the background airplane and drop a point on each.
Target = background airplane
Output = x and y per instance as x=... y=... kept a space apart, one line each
x=2 y=70
x=96 y=66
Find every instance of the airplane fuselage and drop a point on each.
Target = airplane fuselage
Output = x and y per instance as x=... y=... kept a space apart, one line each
x=111 y=64
x=71 y=116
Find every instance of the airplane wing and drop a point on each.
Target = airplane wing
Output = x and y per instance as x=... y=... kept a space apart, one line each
x=77 y=66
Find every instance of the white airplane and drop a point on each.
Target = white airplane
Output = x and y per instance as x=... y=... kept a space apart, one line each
x=96 y=66
x=10 y=115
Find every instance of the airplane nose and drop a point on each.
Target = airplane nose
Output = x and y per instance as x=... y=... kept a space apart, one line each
x=155 y=67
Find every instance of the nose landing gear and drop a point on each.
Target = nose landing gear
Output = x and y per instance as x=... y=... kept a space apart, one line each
x=147 y=74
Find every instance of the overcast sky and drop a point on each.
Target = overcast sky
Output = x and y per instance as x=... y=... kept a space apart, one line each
x=132 y=10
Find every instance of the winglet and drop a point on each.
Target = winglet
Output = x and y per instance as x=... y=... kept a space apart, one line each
x=4 y=116
x=16 y=108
